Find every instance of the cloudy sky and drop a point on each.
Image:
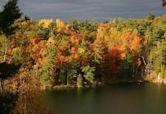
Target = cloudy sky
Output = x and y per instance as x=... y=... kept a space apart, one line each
x=89 y=9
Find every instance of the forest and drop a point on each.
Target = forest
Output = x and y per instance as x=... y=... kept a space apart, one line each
x=47 y=53
x=48 y=64
x=83 y=53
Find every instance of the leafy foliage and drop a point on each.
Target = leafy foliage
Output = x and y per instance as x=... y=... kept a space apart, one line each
x=80 y=53
x=10 y=13
x=150 y=16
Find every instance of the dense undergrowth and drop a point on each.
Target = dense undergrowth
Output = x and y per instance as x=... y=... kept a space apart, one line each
x=82 y=53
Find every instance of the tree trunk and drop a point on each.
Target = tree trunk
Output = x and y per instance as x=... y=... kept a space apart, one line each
x=5 y=50
x=65 y=77
x=1 y=85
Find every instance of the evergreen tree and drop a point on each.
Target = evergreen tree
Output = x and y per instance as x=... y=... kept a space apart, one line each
x=150 y=16
x=10 y=13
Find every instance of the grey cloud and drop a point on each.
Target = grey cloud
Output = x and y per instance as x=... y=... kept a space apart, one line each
x=90 y=9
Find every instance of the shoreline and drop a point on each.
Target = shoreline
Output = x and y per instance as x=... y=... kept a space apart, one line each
x=11 y=85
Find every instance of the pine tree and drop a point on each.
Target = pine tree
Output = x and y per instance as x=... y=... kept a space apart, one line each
x=10 y=13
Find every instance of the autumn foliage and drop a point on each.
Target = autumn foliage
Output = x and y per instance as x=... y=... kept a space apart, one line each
x=81 y=53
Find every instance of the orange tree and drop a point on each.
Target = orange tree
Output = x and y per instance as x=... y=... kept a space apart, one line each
x=82 y=53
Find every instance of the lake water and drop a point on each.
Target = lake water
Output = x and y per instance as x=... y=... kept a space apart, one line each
x=114 y=99
x=136 y=98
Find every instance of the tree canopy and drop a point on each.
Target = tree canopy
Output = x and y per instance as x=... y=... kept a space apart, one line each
x=10 y=13
x=163 y=3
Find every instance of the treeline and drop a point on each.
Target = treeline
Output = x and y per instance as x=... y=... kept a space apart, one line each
x=81 y=53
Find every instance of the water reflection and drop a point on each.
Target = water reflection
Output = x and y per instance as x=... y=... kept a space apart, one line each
x=7 y=102
x=28 y=102
x=115 y=99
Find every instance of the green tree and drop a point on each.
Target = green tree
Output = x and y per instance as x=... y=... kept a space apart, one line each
x=10 y=13
x=150 y=16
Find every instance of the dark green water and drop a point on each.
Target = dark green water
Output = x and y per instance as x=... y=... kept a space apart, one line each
x=114 y=99
x=133 y=98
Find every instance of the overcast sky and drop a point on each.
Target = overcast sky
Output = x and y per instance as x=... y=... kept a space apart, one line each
x=89 y=9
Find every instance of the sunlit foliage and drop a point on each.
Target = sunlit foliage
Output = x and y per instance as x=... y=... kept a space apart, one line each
x=82 y=53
